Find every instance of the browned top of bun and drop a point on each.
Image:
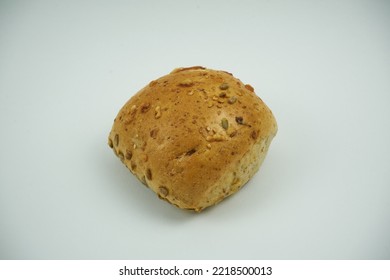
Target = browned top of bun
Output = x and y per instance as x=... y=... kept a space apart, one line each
x=183 y=131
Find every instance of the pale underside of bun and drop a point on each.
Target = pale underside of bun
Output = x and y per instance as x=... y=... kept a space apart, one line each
x=194 y=136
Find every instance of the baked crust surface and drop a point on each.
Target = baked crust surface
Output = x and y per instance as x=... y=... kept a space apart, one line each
x=194 y=136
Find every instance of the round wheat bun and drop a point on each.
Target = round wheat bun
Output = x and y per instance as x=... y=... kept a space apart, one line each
x=194 y=136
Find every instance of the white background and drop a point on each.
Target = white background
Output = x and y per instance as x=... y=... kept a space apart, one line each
x=67 y=67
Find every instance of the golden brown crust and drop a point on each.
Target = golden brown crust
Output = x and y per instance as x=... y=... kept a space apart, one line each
x=193 y=136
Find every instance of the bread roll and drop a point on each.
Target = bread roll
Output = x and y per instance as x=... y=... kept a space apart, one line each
x=194 y=136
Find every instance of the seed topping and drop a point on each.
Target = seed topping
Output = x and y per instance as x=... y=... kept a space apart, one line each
x=121 y=156
x=225 y=123
x=116 y=140
x=254 y=134
x=152 y=83
x=153 y=133
x=250 y=88
x=149 y=174
x=215 y=138
x=145 y=107
x=186 y=83
x=157 y=112
x=224 y=86
x=239 y=120
x=232 y=100
x=129 y=155
x=163 y=191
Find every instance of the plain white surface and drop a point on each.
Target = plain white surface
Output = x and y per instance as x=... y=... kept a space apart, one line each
x=66 y=68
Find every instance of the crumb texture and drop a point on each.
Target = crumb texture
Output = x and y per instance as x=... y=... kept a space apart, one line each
x=194 y=136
